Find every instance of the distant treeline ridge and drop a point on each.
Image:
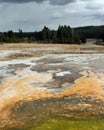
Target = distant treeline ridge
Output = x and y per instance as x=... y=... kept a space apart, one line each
x=64 y=34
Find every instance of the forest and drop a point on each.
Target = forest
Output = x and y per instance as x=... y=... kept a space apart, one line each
x=63 y=35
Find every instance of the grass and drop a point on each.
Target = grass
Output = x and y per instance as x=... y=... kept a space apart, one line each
x=64 y=124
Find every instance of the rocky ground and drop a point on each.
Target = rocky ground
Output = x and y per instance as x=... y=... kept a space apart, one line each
x=41 y=81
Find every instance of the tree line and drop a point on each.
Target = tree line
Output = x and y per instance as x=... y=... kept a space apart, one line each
x=96 y=32
x=63 y=35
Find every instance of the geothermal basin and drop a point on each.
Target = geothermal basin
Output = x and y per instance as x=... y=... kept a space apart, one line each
x=35 y=88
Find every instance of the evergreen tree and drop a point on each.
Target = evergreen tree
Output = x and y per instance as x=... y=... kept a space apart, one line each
x=45 y=33
x=53 y=36
x=20 y=33
x=65 y=34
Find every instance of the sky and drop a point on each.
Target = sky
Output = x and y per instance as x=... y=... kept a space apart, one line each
x=33 y=15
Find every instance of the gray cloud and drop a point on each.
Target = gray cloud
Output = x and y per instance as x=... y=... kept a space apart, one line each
x=99 y=16
x=52 y=2
x=31 y=15
x=21 y=1
x=94 y=6
x=61 y=2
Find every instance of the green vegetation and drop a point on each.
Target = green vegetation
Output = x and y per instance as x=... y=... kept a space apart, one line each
x=65 y=124
x=56 y=124
x=96 y=32
x=64 y=34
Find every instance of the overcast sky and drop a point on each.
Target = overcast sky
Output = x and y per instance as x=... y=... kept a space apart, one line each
x=32 y=15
